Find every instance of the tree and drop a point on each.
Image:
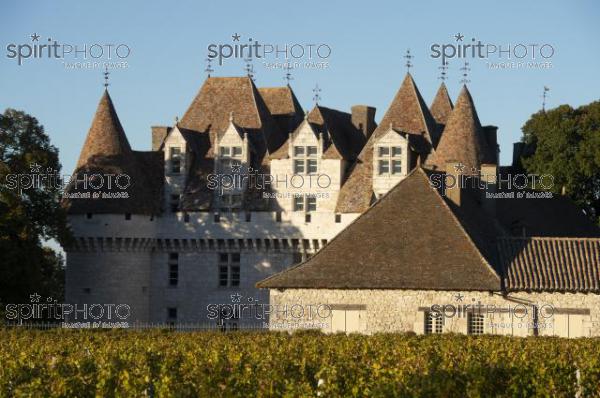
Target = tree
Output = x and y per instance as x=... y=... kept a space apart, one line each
x=30 y=214
x=565 y=143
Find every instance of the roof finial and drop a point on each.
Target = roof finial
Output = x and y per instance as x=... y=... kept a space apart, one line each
x=317 y=96
x=408 y=60
x=288 y=74
x=231 y=117
x=544 y=95
x=106 y=74
x=465 y=69
x=176 y=120
x=208 y=68
x=443 y=74
x=249 y=67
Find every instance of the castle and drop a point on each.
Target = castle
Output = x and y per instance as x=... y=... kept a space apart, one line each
x=247 y=184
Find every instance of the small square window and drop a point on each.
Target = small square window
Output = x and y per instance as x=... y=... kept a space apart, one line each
x=172 y=313
x=384 y=167
x=298 y=151
x=236 y=151
x=224 y=151
x=311 y=203
x=312 y=166
x=311 y=151
x=128 y=216
x=475 y=322
x=384 y=151
x=278 y=216
x=396 y=151
x=307 y=217
x=298 y=203
x=88 y=216
x=298 y=166
x=338 y=218
x=87 y=290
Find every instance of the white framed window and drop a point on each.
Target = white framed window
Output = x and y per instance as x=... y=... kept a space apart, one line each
x=305 y=161
x=389 y=160
x=475 y=322
x=230 y=158
x=434 y=322
x=307 y=203
x=229 y=269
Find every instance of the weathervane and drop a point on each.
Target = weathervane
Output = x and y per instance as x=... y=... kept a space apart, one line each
x=106 y=73
x=444 y=69
x=317 y=96
x=208 y=68
x=408 y=60
x=465 y=69
x=544 y=95
x=288 y=74
x=249 y=67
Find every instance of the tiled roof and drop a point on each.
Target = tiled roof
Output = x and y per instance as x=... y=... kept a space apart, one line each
x=551 y=264
x=107 y=151
x=283 y=106
x=441 y=105
x=342 y=139
x=209 y=114
x=462 y=140
x=106 y=136
x=410 y=239
x=280 y=100
x=407 y=113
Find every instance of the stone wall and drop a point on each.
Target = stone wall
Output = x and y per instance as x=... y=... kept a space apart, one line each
x=372 y=311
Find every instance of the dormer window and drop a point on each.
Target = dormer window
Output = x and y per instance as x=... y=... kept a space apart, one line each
x=305 y=161
x=389 y=160
x=230 y=156
x=175 y=158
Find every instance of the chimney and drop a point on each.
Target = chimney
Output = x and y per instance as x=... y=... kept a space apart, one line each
x=158 y=135
x=363 y=118
x=454 y=173
x=518 y=148
x=489 y=179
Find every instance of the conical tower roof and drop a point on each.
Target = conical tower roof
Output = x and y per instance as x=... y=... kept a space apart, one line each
x=462 y=140
x=106 y=136
x=407 y=113
x=442 y=105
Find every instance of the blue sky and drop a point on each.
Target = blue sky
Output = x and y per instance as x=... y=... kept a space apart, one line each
x=168 y=42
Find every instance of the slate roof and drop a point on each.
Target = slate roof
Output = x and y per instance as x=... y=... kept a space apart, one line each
x=410 y=239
